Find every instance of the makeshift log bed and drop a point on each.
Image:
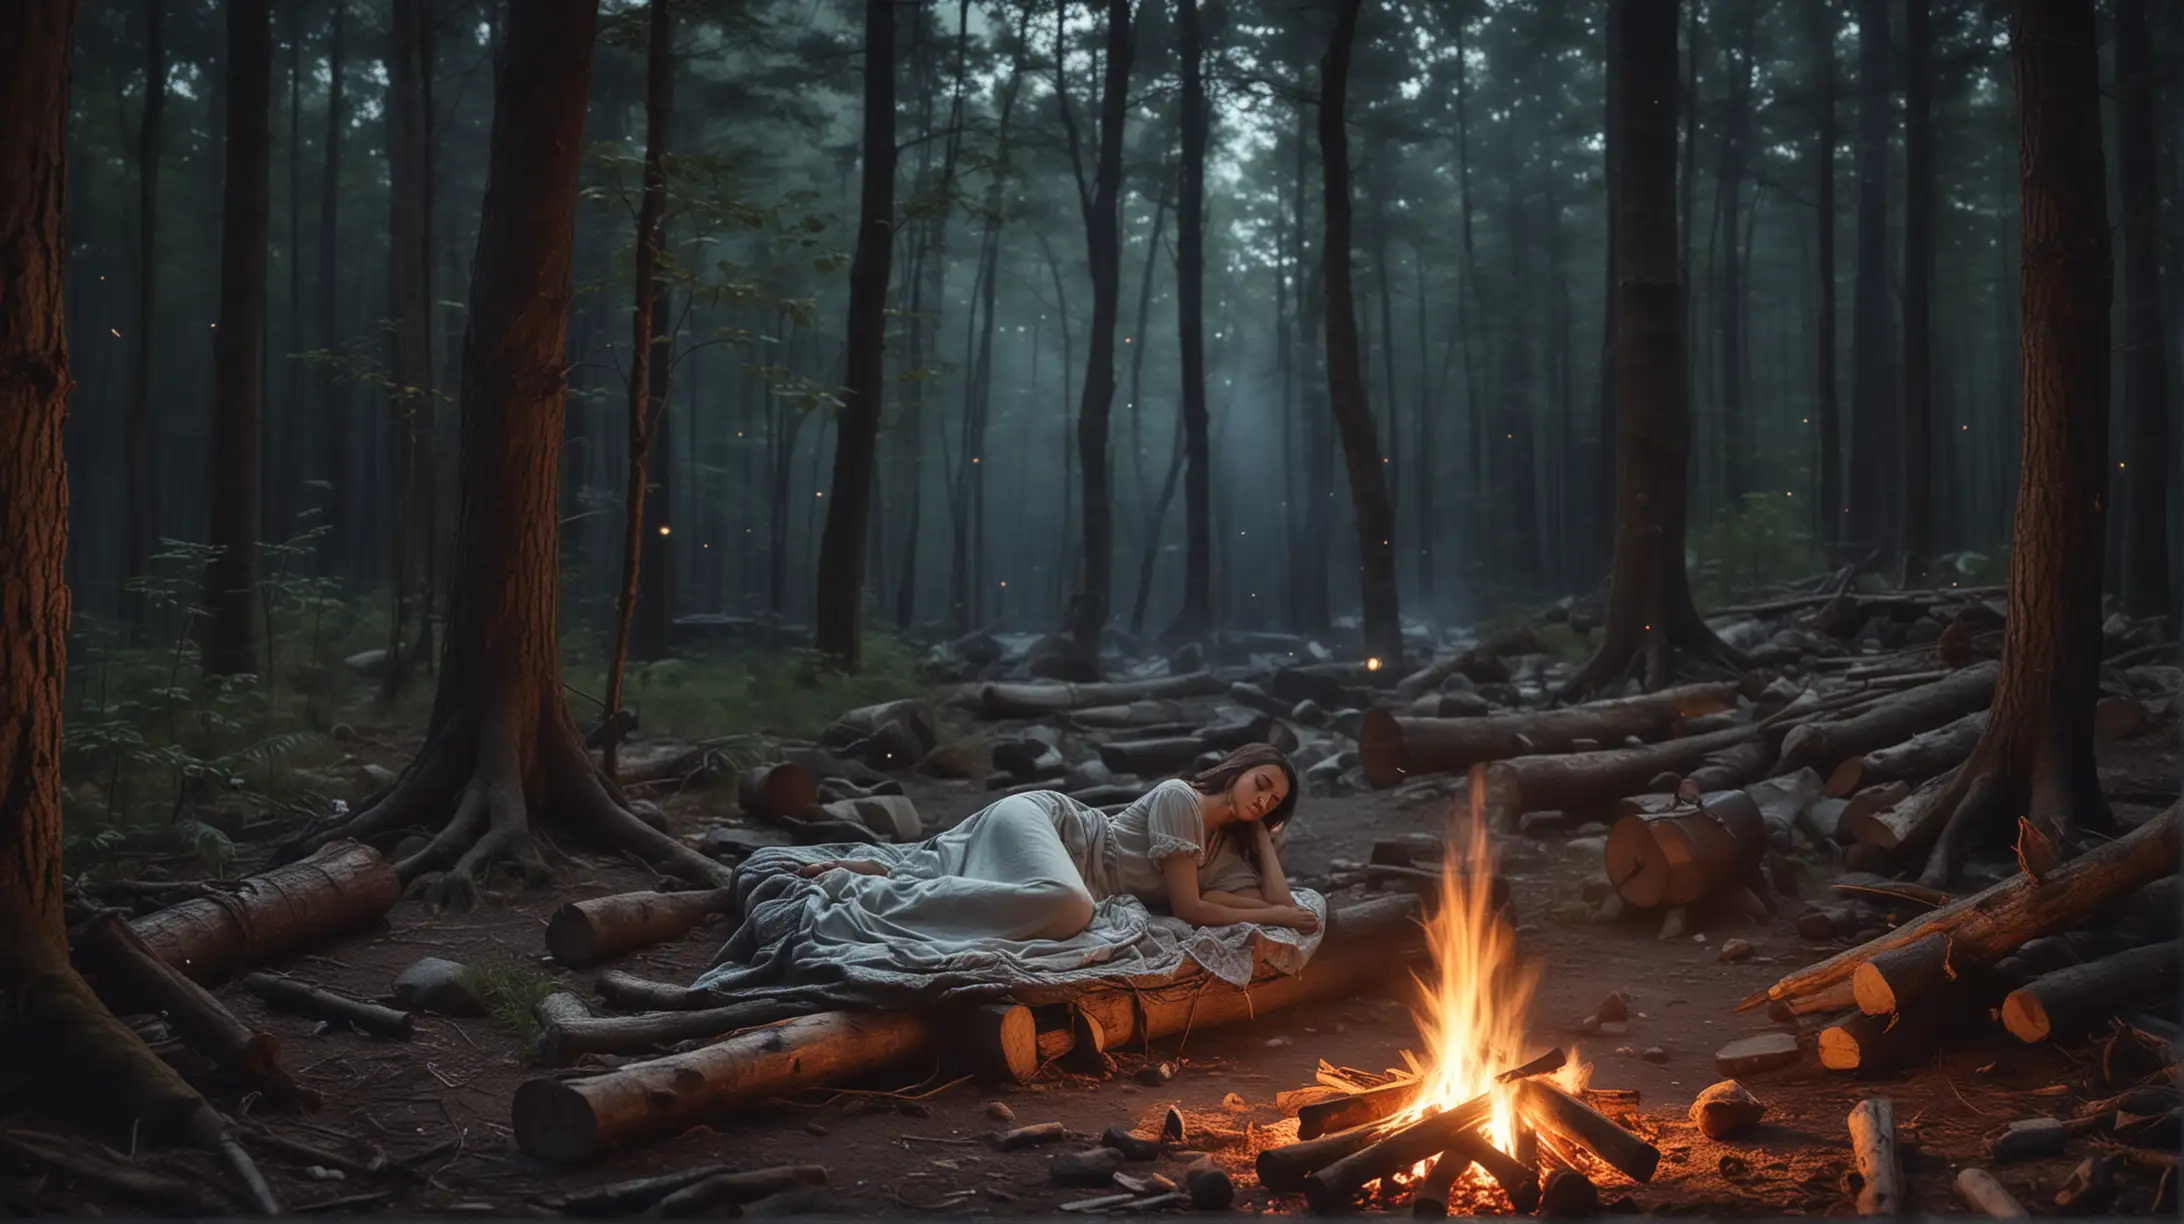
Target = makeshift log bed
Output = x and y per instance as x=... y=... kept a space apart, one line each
x=576 y=1120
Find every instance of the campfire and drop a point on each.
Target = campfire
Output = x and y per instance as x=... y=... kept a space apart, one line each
x=1467 y=1122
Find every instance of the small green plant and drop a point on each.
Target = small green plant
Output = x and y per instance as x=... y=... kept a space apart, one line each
x=1764 y=541
x=510 y=991
x=792 y=694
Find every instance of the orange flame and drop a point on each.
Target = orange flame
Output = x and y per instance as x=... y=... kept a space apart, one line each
x=1471 y=1010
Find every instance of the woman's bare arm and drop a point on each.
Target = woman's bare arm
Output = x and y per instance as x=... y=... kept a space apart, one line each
x=1187 y=903
x=1271 y=880
x=1234 y=897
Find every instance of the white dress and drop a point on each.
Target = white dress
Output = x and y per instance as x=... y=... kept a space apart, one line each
x=1034 y=889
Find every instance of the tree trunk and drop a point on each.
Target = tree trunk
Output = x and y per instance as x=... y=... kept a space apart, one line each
x=840 y=598
x=1918 y=292
x=1731 y=307
x=1196 y=615
x=1865 y=524
x=1821 y=22
x=649 y=352
x=1650 y=613
x=501 y=745
x=46 y=1008
x=2037 y=754
x=333 y=389
x=1345 y=372
x=238 y=346
x=1103 y=253
x=2146 y=586
x=140 y=498
x=409 y=310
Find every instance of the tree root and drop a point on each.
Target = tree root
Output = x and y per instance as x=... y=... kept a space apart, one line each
x=1657 y=661
x=2056 y=802
x=491 y=820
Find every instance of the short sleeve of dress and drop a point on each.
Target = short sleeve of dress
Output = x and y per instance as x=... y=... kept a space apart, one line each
x=1173 y=823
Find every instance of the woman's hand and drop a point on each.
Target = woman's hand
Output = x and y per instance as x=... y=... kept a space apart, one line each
x=1295 y=917
x=1272 y=880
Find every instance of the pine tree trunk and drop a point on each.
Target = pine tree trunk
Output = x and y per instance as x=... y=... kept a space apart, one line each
x=1872 y=441
x=840 y=597
x=1821 y=22
x=2146 y=587
x=333 y=388
x=1196 y=615
x=1918 y=292
x=1731 y=307
x=1650 y=615
x=48 y=1015
x=409 y=310
x=238 y=349
x=501 y=748
x=1103 y=253
x=1345 y=372
x=2036 y=757
x=140 y=498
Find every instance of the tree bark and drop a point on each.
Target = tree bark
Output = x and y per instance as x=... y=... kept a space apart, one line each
x=2146 y=587
x=1731 y=307
x=648 y=352
x=839 y=602
x=1345 y=373
x=1865 y=522
x=1394 y=749
x=140 y=497
x=409 y=310
x=1917 y=531
x=501 y=745
x=2037 y=754
x=238 y=346
x=44 y=1006
x=1196 y=615
x=1103 y=253
x=1650 y=613
x=1821 y=22
x=333 y=388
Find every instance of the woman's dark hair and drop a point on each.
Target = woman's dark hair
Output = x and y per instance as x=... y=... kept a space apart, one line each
x=1223 y=774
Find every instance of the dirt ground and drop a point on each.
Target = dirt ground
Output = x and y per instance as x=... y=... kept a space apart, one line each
x=448 y=1091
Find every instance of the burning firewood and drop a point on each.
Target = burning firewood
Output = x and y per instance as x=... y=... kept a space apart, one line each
x=1332 y=1185
x=1557 y=1114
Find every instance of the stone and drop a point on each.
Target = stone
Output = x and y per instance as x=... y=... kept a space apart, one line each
x=341 y=733
x=1614 y=1007
x=1210 y=1188
x=1153 y=1075
x=366 y=662
x=1090 y=1168
x=435 y=984
x=999 y=1111
x=1308 y=712
x=1654 y=1054
x=376 y=777
x=1735 y=950
x=1752 y=1055
x=962 y=761
x=1132 y=1147
x=1727 y=1110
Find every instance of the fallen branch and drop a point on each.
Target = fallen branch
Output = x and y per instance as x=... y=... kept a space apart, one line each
x=1824 y=745
x=1923 y=756
x=316 y=1001
x=731 y=1190
x=565 y=1038
x=1988 y=925
x=341 y=887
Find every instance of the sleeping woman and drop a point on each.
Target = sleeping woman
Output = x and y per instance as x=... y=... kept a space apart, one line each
x=1035 y=888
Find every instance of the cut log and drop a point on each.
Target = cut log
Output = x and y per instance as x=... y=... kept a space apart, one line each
x=1283 y=1169
x=2068 y=1002
x=1229 y=736
x=1873 y=1146
x=1429 y=1198
x=1590 y=781
x=734 y=1189
x=1893 y=818
x=1038 y=700
x=326 y=1005
x=864 y=722
x=131 y=977
x=1152 y=757
x=1824 y=745
x=778 y=792
x=1781 y=801
x=1145 y=717
x=1519 y=1183
x=564 y=1039
x=1875 y=1044
x=1987 y=925
x=632 y=993
x=1733 y=767
x=1925 y=755
x=1569 y=1195
x=632 y=1196
x=1393 y=749
x=1686 y=854
x=585 y=933
x=300 y=905
x=1978 y=1188
x=1556 y=1113
x=1822 y=820
x=1001 y=1042
x=1901 y=976
x=893 y=817
x=569 y=1121
x=1355 y=1109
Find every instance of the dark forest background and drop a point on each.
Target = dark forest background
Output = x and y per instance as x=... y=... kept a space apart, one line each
x=1848 y=198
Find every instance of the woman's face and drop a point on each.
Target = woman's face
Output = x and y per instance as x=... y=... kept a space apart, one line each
x=1259 y=791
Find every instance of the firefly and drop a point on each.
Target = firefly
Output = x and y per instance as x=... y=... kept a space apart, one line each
x=1373 y=664
x=663 y=529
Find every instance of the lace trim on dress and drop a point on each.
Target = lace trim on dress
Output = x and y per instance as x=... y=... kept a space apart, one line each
x=1164 y=847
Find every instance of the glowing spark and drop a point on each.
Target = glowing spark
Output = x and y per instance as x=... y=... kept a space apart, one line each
x=1373 y=664
x=663 y=529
